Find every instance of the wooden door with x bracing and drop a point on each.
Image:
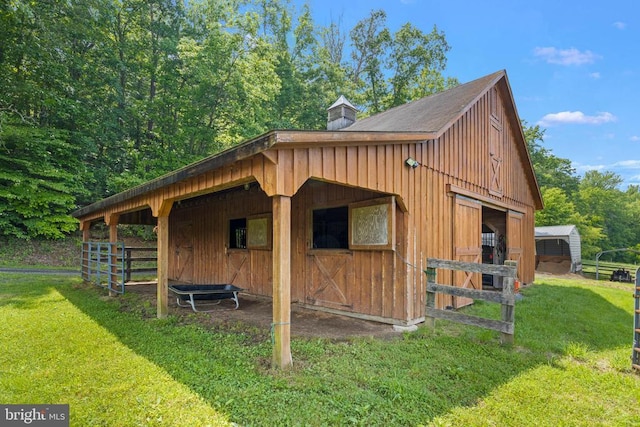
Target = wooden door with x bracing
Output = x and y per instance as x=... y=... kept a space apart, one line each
x=183 y=250
x=328 y=279
x=467 y=241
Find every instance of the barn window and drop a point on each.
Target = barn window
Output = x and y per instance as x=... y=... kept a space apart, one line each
x=250 y=233
x=367 y=225
x=238 y=233
x=372 y=224
x=331 y=228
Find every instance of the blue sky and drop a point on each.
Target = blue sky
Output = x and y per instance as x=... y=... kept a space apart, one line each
x=573 y=66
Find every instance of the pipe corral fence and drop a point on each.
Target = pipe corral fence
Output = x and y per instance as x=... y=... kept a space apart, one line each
x=111 y=264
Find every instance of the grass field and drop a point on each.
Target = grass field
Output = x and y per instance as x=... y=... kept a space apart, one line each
x=65 y=342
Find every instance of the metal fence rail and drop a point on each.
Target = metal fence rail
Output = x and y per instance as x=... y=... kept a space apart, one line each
x=635 y=357
x=103 y=263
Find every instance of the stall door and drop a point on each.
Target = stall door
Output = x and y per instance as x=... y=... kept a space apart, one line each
x=514 y=238
x=183 y=251
x=328 y=279
x=467 y=241
x=238 y=269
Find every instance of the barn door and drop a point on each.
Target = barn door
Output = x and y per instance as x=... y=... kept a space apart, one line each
x=238 y=268
x=184 y=252
x=328 y=279
x=467 y=244
x=515 y=238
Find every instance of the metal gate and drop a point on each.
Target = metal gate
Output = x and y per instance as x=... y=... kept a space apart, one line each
x=103 y=263
x=635 y=357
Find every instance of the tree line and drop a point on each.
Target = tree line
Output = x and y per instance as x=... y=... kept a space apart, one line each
x=97 y=96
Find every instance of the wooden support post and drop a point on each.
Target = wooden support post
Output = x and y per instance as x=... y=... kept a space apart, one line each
x=281 y=326
x=161 y=208
x=163 y=267
x=113 y=259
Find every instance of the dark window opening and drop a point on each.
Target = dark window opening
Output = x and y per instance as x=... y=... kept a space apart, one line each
x=331 y=228
x=238 y=233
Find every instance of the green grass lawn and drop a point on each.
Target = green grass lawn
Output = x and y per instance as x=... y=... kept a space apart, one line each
x=65 y=342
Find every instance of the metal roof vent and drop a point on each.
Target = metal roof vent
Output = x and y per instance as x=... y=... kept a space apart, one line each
x=341 y=114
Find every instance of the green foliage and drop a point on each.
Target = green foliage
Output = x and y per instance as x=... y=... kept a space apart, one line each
x=140 y=88
x=39 y=180
x=606 y=217
x=392 y=69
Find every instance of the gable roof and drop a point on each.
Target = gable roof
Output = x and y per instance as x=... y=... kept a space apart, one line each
x=436 y=113
x=433 y=113
x=555 y=231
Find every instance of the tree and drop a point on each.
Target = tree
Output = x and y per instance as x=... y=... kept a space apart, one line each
x=605 y=207
x=392 y=69
x=559 y=210
x=551 y=171
x=39 y=183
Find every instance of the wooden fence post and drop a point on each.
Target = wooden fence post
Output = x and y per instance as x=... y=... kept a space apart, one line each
x=506 y=325
x=508 y=304
x=431 y=297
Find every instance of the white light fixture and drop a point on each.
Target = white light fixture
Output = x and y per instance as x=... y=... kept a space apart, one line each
x=413 y=163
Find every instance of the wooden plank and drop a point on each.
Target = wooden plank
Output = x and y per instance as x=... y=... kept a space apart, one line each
x=491 y=296
x=503 y=270
x=496 y=325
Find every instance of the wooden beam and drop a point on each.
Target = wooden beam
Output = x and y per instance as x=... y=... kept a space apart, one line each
x=162 y=288
x=281 y=326
x=113 y=238
x=163 y=264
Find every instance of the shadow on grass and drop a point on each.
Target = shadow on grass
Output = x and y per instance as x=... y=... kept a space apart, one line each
x=22 y=291
x=552 y=316
x=362 y=382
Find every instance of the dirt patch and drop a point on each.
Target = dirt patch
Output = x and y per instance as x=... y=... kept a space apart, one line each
x=554 y=266
x=257 y=312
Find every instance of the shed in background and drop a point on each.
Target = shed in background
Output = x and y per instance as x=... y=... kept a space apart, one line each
x=558 y=249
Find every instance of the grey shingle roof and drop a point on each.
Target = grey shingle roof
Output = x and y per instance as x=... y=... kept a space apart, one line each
x=430 y=114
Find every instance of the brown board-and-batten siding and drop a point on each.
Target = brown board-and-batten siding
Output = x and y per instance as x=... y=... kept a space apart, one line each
x=383 y=284
x=463 y=161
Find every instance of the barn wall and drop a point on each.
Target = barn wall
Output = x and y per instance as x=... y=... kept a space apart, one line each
x=460 y=159
x=358 y=281
x=204 y=224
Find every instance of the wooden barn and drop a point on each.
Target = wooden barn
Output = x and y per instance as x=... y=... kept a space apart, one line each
x=343 y=220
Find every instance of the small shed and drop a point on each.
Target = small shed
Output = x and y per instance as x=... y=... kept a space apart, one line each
x=558 y=249
x=343 y=220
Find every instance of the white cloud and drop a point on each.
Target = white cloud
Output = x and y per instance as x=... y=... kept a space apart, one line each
x=635 y=138
x=627 y=164
x=571 y=56
x=576 y=117
x=620 y=25
x=594 y=75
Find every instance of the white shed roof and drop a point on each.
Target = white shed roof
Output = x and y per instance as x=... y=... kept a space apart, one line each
x=555 y=231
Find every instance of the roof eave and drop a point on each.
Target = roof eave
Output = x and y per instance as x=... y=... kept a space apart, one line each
x=242 y=151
